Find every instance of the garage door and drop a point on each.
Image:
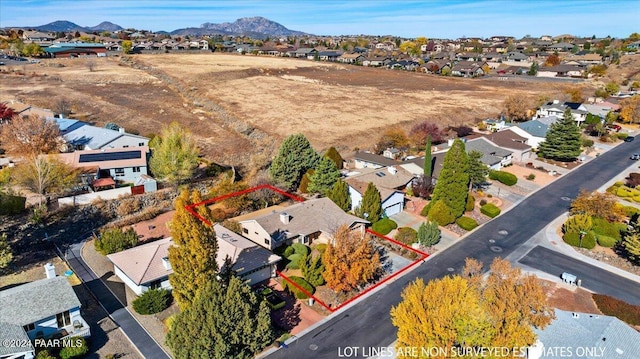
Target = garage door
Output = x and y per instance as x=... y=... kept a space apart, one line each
x=258 y=276
x=394 y=209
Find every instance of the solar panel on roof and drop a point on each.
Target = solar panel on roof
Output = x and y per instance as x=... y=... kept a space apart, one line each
x=110 y=156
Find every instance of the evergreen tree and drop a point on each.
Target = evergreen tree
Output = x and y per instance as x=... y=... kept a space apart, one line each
x=453 y=183
x=371 y=205
x=324 y=177
x=225 y=321
x=478 y=171
x=428 y=233
x=631 y=247
x=334 y=155
x=294 y=158
x=304 y=182
x=563 y=141
x=339 y=194
x=533 y=70
x=312 y=268
x=6 y=255
x=193 y=257
x=428 y=160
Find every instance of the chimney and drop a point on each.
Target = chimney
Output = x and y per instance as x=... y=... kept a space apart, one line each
x=50 y=270
x=555 y=102
x=450 y=142
x=121 y=129
x=392 y=169
x=165 y=263
x=284 y=217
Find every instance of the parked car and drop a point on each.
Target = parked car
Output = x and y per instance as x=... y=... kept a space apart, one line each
x=616 y=128
x=629 y=139
x=635 y=156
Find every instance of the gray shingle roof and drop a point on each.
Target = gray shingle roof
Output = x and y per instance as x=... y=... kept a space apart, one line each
x=617 y=339
x=37 y=300
x=93 y=137
x=10 y=331
x=245 y=254
x=490 y=154
x=382 y=177
x=375 y=159
x=508 y=139
x=534 y=128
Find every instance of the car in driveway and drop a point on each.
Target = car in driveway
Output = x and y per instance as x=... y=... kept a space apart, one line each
x=635 y=156
x=629 y=139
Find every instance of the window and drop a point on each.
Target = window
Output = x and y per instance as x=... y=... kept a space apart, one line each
x=119 y=172
x=63 y=319
x=29 y=327
x=136 y=169
x=245 y=231
x=125 y=146
x=266 y=241
x=140 y=144
x=156 y=284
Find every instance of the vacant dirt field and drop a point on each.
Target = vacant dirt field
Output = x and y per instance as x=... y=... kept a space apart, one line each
x=240 y=107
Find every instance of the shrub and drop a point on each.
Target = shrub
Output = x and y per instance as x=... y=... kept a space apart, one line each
x=466 y=223
x=636 y=198
x=622 y=135
x=629 y=211
x=441 y=214
x=302 y=283
x=288 y=251
x=426 y=209
x=301 y=249
x=483 y=202
x=471 y=203
x=633 y=180
x=578 y=223
x=490 y=210
x=623 y=191
x=587 y=142
x=152 y=301
x=606 y=241
x=321 y=247
x=114 y=240
x=10 y=204
x=45 y=354
x=407 y=235
x=384 y=226
x=602 y=227
x=78 y=350
x=572 y=238
x=589 y=240
x=624 y=311
x=294 y=261
x=531 y=177
x=504 y=177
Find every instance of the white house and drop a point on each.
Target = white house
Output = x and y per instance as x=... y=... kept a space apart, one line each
x=493 y=156
x=555 y=108
x=535 y=131
x=82 y=136
x=119 y=164
x=371 y=160
x=314 y=220
x=44 y=309
x=390 y=181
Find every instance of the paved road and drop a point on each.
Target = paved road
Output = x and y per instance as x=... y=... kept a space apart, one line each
x=367 y=323
x=597 y=281
x=132 y=329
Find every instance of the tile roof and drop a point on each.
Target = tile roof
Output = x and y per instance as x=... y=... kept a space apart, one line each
x=508 y=139
x=37 y=300
x=584 y=330
x=143 y=264
x=308 y=217
x=245 y=254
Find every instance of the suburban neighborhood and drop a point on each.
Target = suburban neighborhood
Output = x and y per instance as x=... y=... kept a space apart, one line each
x=209 y=216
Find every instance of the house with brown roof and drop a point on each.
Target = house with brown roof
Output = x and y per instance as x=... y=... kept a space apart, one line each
x=144 y=267
x=355 y=58
x=390 y=181
x=315 y=220
x=513 y=142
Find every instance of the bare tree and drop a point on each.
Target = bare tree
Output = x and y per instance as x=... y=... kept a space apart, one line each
x=45 y=174
x=91 y=64
x=63 y=107
x=31 y=135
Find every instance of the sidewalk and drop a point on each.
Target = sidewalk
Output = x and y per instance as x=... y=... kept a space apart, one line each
x=145 y=344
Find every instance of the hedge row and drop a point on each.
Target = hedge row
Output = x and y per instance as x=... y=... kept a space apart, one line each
x=490 y=210
x=624 y=311
x=302 y=283
x=466 y=223
x=384 y=226
x=504 y=177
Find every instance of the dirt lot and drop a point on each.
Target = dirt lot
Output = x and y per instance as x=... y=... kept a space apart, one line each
x=234 y=102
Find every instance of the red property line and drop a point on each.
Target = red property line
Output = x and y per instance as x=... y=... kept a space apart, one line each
x=423 y=255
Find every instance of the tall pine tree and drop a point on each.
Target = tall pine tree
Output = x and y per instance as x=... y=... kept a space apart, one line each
x=339 y=194
x=324 y=177
x=193 y=255
x=453 y=182
x=225 y=321
x=334 y=155
x=371 y=205
x=428 y=160
x=563 y=141
x=294 y=158
x=478 y=171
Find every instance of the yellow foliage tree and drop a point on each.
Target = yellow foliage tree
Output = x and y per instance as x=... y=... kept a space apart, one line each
x=630 y=109
x=351 y=261
x=443 y=314
x=193 y=256
x=596 y=204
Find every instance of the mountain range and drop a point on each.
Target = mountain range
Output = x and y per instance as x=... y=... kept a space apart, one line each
x=255 y=27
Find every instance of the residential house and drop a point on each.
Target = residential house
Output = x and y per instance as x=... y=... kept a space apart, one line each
x=415 y=166
x=513 y=142
x=496 y=124
x=493 y=59
x=118 y=164
x=555 y=108
x=305 y=52
x=586 y=59
x=468 y=69
x=386 y=45
x=75 y=49
x=560 y=71
x=437 y=66
x=516 y=59
x=23 y=110
x=390 y=181
x=37 y=37
x=586 y=335
x=314 y=220
x=82 y=136
x=355 y=58
x=535 y=131
x=43 y=309
x=329 y=55
x=561 y=47
x=634 y=45
x=493 y=156
x=392 y=153
x=376 y=61
x=371 y=160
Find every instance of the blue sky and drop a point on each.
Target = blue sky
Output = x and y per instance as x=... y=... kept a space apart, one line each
x=433 y=19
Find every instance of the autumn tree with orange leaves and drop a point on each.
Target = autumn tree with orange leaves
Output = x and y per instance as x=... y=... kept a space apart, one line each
x=31 y=135
x=351 y=261
x=469 y=310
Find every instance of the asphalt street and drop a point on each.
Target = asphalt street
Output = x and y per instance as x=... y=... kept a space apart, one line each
x=366 y=324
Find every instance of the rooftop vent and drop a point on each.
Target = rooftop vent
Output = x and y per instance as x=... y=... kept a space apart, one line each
x=284 y=217
x=165 y=263
x=392 y=169
x=50 y=270
x=575 y=315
